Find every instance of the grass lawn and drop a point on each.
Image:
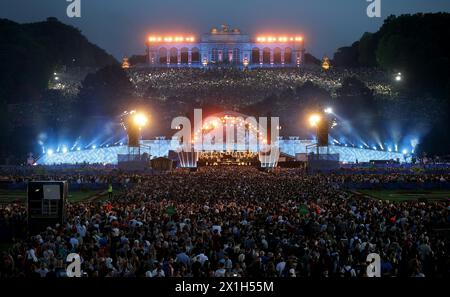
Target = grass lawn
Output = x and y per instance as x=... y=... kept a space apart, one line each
x=403 y=195
x=7 y=196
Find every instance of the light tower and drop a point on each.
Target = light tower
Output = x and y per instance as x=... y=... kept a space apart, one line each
x=133 y=122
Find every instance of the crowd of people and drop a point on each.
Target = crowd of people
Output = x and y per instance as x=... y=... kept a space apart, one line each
x=235 y=221
x=246 y=87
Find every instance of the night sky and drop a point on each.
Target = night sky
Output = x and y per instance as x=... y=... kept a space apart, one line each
x=121 y=27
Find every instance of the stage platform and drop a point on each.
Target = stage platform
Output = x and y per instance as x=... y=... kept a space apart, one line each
x=160 y=148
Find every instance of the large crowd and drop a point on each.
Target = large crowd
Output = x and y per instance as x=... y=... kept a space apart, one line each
x=235 y=221
x=246 y=87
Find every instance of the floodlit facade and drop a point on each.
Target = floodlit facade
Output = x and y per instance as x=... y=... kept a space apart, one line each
x=225 y=47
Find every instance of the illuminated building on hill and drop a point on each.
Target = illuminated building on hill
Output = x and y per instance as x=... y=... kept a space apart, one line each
x=225 y=47
x=125 y=63
x=326 y=63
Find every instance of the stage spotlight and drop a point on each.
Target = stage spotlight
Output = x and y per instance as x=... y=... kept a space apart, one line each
x=405 y=151
x=328 y=110
x=396 y=148
x=361 y=147
x=140 y=120
x=121 y=143
x=314 y=120
x=64 y=150
x=389 y=149
x=94 y=146
x=50 y=152
x=375 y=148
x=78 y=149
x=398 y=77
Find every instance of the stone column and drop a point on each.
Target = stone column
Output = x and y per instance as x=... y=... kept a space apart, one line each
x=156 y=58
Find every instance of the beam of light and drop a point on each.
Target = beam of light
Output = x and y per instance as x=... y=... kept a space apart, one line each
x=328 y=110
x=75 y=144
x=107 y=142
x=50 y=152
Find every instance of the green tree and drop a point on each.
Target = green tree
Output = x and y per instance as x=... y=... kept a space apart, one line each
x=106 y=92
x=366 y=50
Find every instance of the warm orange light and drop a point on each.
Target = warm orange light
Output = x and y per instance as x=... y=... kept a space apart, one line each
x=140 y=120
x=171 y=39
x=278 y=39
x=314 y=120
